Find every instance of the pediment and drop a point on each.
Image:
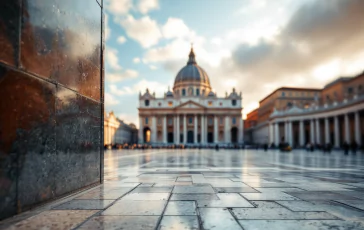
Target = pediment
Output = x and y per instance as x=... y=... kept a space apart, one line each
x=190 y=105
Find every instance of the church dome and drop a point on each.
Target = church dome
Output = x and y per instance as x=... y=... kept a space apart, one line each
x=192 y=74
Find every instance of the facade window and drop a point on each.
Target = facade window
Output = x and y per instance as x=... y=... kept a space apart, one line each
x=233 y=102
x=146 y=120
x=146 y=102
x=234 y=121
x=197 y=92
x=289 y=104
x=360 y=88
x=350 y=90
x=190 y=120
x=170 y=121
x=221 y=121
x=210 y=121
x=283 y=94
x=183 y=92
x=210 y=103
x=170 y=103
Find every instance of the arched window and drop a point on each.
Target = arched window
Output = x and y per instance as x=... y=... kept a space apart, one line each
x=234 y=120
x=146 y=102
x=183 y=92
x=233 y=102
x=197 y=92
x=146 y=120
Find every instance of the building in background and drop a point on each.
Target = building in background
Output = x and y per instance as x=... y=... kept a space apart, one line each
x=118 y=132
x=191 y=113
x=332 y=115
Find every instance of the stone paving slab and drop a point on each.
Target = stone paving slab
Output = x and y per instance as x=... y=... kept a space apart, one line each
x=54 y=219
x=300 y=224
x=218 y=218
x=135 y=208
x=121 y=222
x=84 y=205
x=249 y=191
x=179 y=222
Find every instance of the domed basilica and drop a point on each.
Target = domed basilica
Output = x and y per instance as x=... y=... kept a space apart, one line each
x=192 y=113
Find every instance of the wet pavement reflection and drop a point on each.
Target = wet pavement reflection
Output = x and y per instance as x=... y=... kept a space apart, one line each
x=226 y=189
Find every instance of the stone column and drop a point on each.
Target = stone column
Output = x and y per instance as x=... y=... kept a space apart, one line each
x=276 y=134
x=241 y=131
x=327 y=131
x=216 y=133
x=347 y=129
x=318 y=131
x=153 y=138
x=357 y=129
x=336 y=132
x=178 y=129
x=202 y=128
x=227 y=129
x=140 y=133
x=312 y=132
x=286 y=138
x=195 y=129
x=175 y=129
x=270 y=133
x=184 y=129
x=302 y=134
x=165 y=129
x=290 y=134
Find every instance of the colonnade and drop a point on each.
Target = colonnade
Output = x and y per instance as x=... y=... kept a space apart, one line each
x=200 y=127
x=335 y=130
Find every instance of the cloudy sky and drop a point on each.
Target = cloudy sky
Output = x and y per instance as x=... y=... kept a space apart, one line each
x=255 y=46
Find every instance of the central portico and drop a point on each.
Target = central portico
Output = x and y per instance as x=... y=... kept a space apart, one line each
x=192 y=113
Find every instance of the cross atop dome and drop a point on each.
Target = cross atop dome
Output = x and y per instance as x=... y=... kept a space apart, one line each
x=191 y=59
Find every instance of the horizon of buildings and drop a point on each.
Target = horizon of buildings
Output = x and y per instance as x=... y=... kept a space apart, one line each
x=330 y=115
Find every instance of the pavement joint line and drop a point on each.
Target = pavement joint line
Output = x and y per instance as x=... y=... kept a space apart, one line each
x=164 y=210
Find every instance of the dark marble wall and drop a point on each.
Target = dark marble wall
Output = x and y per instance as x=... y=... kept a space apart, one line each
x=51 y=100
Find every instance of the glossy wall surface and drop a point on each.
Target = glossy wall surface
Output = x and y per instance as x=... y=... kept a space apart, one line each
x=51 y=100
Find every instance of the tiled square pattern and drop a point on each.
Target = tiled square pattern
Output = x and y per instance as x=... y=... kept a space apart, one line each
x=247 y=192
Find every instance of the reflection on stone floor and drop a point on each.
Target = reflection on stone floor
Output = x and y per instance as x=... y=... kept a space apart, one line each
x=207 y=189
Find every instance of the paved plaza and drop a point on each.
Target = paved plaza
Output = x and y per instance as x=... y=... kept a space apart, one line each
x=208 y=189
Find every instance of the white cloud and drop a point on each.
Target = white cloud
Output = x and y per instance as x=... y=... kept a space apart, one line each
x=216 y=41
x=117 y=77
x=121 y=40
x=175 y=28
x=145 y=30
x=119 y=7
x=110 y=100
x=153 y=67
x=136 y=60
x=145 y=6
x=154 y=86
x=112 y=59
x=107 y=28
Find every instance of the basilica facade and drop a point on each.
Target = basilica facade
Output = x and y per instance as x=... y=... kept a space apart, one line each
x=191 y=113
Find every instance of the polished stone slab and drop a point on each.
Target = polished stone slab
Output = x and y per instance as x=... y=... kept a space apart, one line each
x=218 y=218
x=184 y=179
x=234 y=190
x=54 y=219
x=179 y=222
x=268 y=196
x=146 y=196
x=325 y=195
x=226 y=200
x=108 y=194
x=193 y=189
x=279 y=214
x=194 y=196
x=180 y=208
x=135 y=208
x=354 y=203
x=152 y=190
x=84 y=205
x=121 y=222
x=300 y=224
